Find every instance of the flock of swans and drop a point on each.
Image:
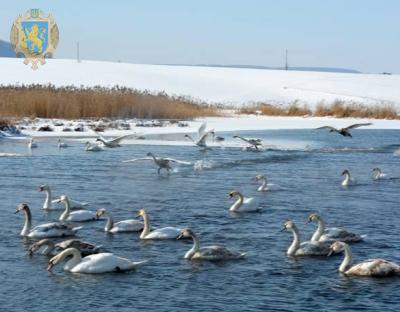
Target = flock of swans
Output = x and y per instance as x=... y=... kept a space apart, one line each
x=91 y=258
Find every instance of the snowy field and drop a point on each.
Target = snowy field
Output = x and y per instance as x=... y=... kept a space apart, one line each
x=215 y=85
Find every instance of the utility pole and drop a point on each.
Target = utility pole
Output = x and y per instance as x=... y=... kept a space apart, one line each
x=286 y=60
x=77 y=52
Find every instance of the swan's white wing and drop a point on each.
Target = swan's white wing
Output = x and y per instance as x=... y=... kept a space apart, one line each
x=178 y=161
x=127 y=226
x=81 y=216
x=358 y=125
x=103 y=263
x=203 y=139
x=338 y=234
x=164 y=233
x=201 y=130
x=137 y=159
x=374 y=267
x=248 y=200
x=55 y=229
x=119 y=139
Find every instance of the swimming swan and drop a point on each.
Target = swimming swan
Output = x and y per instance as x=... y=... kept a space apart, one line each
x=210 y=253
x=93 y=264
x=377 y=174
x=307 y=248
x=243 y=204
x=49 y=200
x=161 y=162
x=371 y=267
x=54 y=229
x=121 y=226
x=323 y=234
x=76 y=216
x=264 y=184
x=163 y=233
x=61 y=144
x=32 y=144
x=348 y=180
x=50 y=247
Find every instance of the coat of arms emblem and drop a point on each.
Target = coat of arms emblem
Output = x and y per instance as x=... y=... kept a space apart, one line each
x=34 y=37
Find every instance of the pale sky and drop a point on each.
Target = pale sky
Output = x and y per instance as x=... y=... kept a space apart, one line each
x=356 y=34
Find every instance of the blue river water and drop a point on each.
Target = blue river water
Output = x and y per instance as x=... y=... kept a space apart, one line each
x=305 y=169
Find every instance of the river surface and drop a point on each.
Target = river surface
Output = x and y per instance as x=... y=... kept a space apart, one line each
x=305 y=169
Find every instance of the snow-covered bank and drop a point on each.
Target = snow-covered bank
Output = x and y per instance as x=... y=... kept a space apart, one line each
x=222 y=85
x=220 y=124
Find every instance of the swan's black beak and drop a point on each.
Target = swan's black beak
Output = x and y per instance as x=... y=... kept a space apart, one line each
x=16 y=211
x=330 y=253
x=180 y=236
x=283 y=229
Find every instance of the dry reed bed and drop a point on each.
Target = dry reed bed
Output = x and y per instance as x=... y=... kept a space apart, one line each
x=338 y=109
x=117 y=102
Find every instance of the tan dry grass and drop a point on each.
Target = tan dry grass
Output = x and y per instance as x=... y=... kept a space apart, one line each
x=337 y=109
x=71 y=102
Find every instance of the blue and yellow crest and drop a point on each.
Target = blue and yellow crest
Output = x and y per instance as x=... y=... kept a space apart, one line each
x=34 y=37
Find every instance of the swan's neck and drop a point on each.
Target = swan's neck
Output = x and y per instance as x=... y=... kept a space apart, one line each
x=76 y=258
x=28 y=222
x=194 y=249
x=263 y=185
x=320 y=230
x=66 y=212
x=109 y=223
x=295 y=244
x=146 y=226
x=347 y=261
x=238 y=203
x=47 y=202
x=347 y=179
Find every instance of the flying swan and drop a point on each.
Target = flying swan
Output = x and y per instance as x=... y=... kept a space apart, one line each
x=202 y=135
x=345 y=131
x=114 y=142
x=161 y=162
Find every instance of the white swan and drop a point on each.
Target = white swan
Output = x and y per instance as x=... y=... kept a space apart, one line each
x=371 y=267
x=50 y=247
x=49 y=200
x=243 y=204
x=323 y=234
x=348 y=180
x=162 y=233
x=210 y=253
x=377 y=174
x=307 y=248
x=93 y=264
x=264 y=184
x=121 y=226
x=114 y=142
x=76 y=216
x=202 y=135
x=93 y=147
x=32 y=143
x=54 y=229
x=61 y=144
x=161 y=162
